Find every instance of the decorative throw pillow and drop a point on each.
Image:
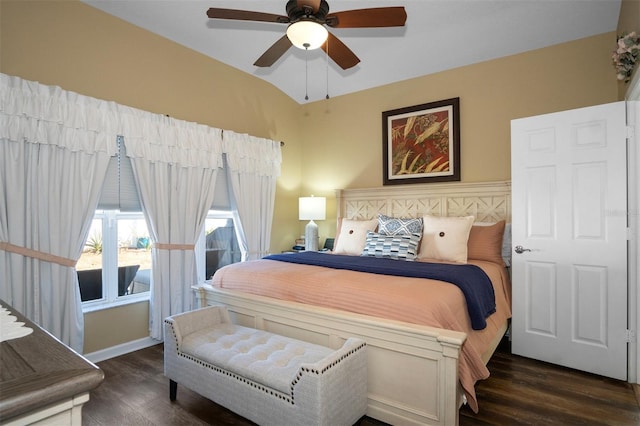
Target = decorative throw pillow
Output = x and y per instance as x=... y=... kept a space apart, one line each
x=485 y=242
x=352 y=234
x=506 y=240
x=445 y=238
x=399 y=226
x=398 y=247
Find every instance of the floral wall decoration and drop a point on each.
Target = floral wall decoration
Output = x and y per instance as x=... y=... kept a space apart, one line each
x=421 y=143
x=625 y=56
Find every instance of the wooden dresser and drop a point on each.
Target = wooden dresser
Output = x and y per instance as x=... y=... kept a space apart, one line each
x=43 y=381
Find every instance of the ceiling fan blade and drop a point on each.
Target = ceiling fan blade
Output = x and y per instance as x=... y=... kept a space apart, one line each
x=394 y=16
x=245 y=15
x=340 y=53
x=274 y=53
x=314 y=4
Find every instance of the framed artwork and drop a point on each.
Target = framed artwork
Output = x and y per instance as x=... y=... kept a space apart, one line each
x=421 y=143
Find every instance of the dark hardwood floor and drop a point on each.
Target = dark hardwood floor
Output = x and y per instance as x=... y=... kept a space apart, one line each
x=520 y=391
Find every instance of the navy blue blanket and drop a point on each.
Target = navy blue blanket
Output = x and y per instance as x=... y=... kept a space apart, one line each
x=472 y=280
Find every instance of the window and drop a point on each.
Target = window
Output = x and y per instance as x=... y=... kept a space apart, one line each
x=220 y=243
x=115 y=265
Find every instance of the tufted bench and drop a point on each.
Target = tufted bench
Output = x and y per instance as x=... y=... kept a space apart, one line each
x=267 y=378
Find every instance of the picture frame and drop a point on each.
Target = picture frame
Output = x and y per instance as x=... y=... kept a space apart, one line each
x=421 y=143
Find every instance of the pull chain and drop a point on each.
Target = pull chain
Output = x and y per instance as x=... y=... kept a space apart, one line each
x=306 y=71
x=327 y=57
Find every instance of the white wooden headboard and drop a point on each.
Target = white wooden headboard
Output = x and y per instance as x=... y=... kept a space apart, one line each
x=487 y=201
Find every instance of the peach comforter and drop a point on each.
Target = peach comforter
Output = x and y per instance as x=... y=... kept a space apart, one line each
x=414 y=300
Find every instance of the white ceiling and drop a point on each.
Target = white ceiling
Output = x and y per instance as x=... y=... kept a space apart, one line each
x=439 y=35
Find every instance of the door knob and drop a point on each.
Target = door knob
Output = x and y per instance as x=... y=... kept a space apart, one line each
x=520 y=249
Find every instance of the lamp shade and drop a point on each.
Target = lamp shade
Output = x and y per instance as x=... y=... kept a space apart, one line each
x=307 y=34
x=312 y=208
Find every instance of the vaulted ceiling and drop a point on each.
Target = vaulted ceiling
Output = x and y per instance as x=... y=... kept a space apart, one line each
x=438 y=35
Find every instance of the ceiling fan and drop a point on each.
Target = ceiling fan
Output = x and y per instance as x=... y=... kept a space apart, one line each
x=306 y=30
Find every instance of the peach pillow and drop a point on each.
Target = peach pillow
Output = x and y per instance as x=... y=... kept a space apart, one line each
x=485 y=242
x=352 y=235
x=445 y=238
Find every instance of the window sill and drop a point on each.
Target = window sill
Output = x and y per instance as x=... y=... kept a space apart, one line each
x=100 y=305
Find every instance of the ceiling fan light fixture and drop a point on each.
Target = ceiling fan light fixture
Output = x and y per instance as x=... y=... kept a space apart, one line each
x=307 y=34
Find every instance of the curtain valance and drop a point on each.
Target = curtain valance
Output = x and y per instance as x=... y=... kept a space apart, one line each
x=250 y=154
x=35 y=113
x=159 y=138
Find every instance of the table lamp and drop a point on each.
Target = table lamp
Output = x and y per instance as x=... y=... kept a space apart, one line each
x=311 y=208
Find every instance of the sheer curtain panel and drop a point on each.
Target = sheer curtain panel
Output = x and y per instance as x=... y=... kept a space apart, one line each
x=175 y=164
x=55 y=146
x=252 y=166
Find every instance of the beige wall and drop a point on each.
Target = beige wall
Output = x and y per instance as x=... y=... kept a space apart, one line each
x=112 y=327
x=329 y=144
x=342 y=144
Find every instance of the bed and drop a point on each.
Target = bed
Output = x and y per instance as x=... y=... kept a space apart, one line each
x=426 y=352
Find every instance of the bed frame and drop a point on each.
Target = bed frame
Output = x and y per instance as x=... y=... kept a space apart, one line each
x=425 y=389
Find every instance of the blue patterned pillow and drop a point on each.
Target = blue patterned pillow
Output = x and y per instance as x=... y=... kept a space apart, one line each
x=399 y=226
x=398 y=247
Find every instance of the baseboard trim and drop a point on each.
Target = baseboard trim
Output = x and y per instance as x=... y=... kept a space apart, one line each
x=122 y=349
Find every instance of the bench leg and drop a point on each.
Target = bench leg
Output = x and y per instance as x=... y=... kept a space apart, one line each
x=173 y=390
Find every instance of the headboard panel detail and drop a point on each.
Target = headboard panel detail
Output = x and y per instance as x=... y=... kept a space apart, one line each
x=487 y=201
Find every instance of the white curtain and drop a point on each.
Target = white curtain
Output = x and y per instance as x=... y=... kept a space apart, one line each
x=175 y=164
x=55 y=147
x=54 y=151
x=253 y=165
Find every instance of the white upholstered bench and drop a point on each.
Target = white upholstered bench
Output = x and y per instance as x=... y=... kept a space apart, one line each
x=264 y=377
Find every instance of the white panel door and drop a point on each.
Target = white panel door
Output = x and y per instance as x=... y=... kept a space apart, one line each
x=569 y=192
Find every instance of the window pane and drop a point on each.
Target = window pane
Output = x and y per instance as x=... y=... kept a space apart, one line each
x=221 y=245
x=89 y=265
x=134 y=257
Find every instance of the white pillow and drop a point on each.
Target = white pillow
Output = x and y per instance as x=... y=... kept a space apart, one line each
x=445 y=238
x=352 y=236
